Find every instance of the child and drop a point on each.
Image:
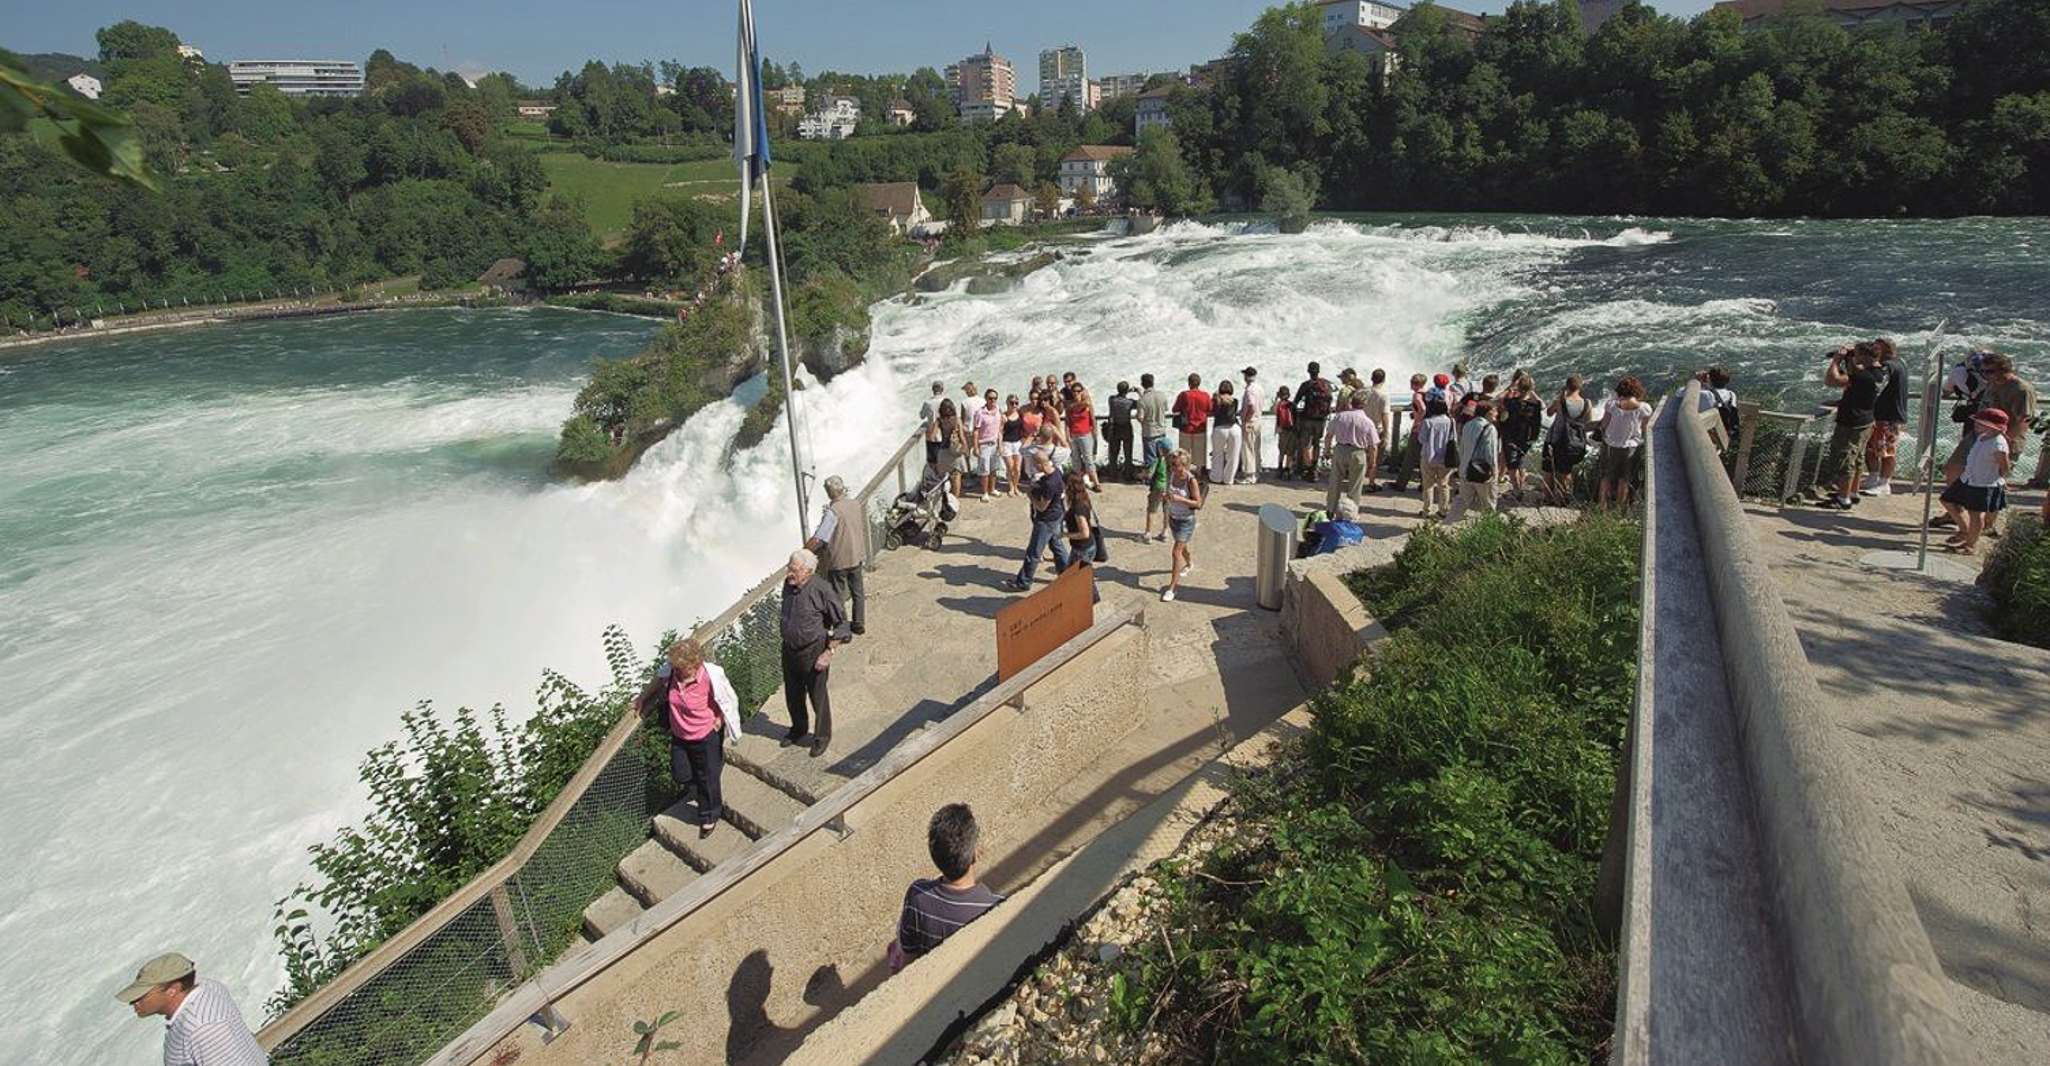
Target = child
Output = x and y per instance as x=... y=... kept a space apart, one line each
x=935 y=908
x=1980 y=492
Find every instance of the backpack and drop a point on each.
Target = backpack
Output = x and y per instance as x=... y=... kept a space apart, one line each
x=1726 y=406
x=1318 y=403
x=1975 y=396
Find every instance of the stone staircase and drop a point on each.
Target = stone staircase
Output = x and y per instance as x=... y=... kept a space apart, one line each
x=674 y=856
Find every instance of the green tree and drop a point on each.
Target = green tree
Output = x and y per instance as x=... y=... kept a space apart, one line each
x=669 y=241
x=1156 y=177
x=129 y=39
x=560 y=249
x=1014 y=163
x=961 y=197
x=1284 y=196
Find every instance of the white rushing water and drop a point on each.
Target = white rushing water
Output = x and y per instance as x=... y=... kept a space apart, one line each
x=217 y=598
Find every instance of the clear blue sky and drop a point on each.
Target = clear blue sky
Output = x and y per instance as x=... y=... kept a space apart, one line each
x=537 y=40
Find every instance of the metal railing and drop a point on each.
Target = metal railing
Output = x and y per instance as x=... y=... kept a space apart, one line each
x=1779 y=454
x=829 y=814
x=434 y=978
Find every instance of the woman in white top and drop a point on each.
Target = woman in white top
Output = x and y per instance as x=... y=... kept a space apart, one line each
x=1184 y=498
x=1622 y=439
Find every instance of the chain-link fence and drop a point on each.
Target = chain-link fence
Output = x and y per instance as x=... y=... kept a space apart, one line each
x=432 y=981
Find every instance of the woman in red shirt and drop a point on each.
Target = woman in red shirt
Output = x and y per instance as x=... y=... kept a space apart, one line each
x=1081 y=416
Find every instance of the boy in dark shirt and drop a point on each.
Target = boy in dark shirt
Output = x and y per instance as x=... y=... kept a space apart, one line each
x=934 y=908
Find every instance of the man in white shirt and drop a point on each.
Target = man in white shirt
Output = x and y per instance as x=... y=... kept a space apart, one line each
x=1351 y=437
x=204 y=1026
x=1251 y=407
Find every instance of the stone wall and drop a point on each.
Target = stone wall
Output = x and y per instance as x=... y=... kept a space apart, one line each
x=758 y=968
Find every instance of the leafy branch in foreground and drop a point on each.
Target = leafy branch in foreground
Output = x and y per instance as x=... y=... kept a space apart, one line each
x=96 y=138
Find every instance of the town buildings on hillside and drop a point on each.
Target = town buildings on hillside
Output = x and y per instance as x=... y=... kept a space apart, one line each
x=1851 y=14
x=895 y=202
x=534 y=109
x=298 y=77
x=789 y=99
x=1152 y=111
x=833 y=121
x=84 y=85
x=1111 y=86
x=985 y=87
x=1087 y=170
x=1367 y=14
x=1006 y=204
x=900 y=113
x=1064 y=75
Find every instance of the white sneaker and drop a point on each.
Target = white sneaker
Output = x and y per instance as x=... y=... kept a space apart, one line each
x=1168 y=596
x=1872 y=481
x=1882 y=489
x=1186 y=569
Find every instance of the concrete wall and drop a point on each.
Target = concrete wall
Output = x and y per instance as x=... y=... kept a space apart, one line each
x=757 y=968
x=1867 y=987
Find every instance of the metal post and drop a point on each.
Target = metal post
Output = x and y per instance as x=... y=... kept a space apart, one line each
x=783 y=350
x=1927 y=472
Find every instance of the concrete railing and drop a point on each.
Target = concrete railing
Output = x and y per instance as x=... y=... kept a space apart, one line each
x=1760 y=921
x=830 y=820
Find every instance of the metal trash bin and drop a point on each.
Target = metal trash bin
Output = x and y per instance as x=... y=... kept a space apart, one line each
x=1278 y=536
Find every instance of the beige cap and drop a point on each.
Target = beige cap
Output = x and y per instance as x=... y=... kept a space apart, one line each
x=161 y=970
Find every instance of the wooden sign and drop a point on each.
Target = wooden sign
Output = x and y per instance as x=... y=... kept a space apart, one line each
x=1045 y=620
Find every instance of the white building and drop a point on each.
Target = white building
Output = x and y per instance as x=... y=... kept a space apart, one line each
x=1088 y=168
x=901 y=113
x=1006 y=205
x=897 y=203
x=1064 y=75
x=833 y=122
x=298 y=77
x=1366 y=14
x=186 y=51
x=1152 y=111
x=535 y=109
x=84 y=85
x=1112 y=86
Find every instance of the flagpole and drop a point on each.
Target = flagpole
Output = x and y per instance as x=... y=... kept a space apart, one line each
x=783 y=353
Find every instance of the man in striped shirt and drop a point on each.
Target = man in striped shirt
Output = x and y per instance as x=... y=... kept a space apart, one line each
x=935 y=908
x=205 y=1027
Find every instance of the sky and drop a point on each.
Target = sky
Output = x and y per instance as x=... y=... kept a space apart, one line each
x=537 y=40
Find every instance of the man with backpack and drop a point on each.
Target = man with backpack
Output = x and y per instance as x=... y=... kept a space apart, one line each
x=1312 y=406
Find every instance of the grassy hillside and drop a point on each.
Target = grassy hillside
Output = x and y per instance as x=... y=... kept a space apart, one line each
x=609 y=190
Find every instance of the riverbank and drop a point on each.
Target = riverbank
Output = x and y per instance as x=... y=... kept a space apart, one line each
x=271 y=310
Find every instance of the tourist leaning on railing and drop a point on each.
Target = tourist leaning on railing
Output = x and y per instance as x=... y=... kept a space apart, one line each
x=1623 y=425
x=841 y=543
x=936 y=908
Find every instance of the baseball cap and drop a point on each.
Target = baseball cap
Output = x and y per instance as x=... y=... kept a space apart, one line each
x=1993 y=416
x=161 y=970
x=1249 y=372
x=1442 y=380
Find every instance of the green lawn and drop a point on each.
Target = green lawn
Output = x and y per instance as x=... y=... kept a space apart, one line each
x=610 y=189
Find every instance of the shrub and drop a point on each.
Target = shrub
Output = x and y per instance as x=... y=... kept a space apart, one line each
x=2018 y=576
x=1417 y=886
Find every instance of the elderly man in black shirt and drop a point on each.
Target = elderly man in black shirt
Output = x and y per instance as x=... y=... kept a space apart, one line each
x=813 y=625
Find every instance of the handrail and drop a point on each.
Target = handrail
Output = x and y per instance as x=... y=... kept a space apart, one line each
x=581 y=965
x=1868 y=986
x=477 y=889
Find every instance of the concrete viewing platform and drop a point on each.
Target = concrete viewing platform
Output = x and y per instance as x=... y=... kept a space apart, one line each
x=1213 y=669
x=1948 y=730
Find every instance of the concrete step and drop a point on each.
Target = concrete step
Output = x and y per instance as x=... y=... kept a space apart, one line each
x=677 y=829
x=791 y=770
x=756 y=807
x=612 y=910
x=652 y=873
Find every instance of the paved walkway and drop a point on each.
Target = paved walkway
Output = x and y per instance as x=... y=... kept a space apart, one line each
x=1949 y=728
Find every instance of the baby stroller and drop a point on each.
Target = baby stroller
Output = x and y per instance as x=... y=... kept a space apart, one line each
x=920 y=517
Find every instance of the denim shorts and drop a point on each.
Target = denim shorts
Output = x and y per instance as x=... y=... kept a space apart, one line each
x=1183 y=529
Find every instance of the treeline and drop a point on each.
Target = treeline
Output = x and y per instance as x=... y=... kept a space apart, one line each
x=1651 y=114
x=267 y=192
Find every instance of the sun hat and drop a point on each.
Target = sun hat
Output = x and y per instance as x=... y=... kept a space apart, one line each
x=161 y=970
x=1992 y=416
x=1442 y=380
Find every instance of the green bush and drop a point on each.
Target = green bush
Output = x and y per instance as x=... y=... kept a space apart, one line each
x=1418 y=886
x=2018 y=576
x=583 y=442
